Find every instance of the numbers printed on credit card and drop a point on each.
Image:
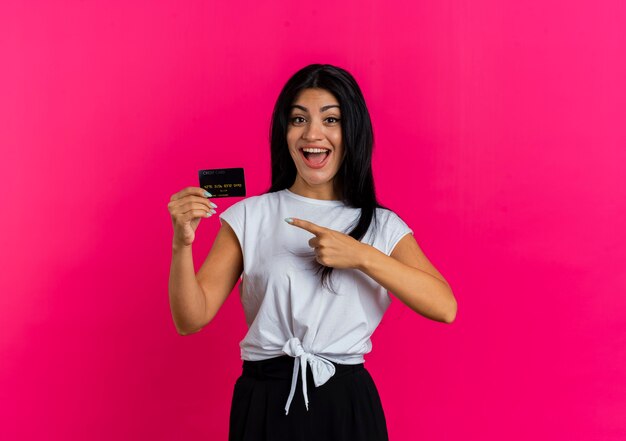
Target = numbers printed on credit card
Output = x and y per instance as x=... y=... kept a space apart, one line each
x=223 y=182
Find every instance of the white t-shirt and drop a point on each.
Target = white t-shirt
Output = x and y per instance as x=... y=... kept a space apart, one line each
x=287 y=309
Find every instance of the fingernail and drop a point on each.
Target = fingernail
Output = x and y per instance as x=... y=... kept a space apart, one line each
x=212 y=204
x=288 y=220
x=207 y=194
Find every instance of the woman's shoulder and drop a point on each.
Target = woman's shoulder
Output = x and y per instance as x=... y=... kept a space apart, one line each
x=256 y=199
x=385 y=213
x=261 y=199
x=259 y=204
x=392 y=228
x=389 y=218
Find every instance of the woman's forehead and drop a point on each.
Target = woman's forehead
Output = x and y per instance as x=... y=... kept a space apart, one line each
x=318 y=96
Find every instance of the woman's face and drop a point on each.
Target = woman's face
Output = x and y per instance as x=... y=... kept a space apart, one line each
x=314 y=122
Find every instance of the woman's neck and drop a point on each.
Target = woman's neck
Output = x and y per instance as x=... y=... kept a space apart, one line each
x=324 y=192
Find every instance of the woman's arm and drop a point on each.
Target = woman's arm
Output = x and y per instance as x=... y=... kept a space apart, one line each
x=407 y=273
x=195 y=299
x=187 y=301
x=410 y=276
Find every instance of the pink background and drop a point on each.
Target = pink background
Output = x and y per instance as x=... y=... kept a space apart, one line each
x=500 y=138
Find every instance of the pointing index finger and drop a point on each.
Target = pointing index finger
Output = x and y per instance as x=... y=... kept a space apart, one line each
x=305 y=225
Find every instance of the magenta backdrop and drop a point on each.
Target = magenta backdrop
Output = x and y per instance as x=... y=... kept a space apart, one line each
x=500 y=139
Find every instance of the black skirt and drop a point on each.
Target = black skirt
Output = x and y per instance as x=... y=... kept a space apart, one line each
x=345 y=408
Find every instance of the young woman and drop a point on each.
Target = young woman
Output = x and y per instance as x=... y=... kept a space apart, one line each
x=317 y=255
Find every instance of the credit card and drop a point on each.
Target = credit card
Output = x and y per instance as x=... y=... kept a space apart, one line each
x=223 y=182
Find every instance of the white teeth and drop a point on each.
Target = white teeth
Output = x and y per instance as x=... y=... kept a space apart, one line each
x=309 y=150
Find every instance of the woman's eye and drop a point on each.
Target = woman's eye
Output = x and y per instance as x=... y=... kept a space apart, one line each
x=330 y=119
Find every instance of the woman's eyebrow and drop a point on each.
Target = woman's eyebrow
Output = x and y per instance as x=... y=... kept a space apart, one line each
x=322 y=109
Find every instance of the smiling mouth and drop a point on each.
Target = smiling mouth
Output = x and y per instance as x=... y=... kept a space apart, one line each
x=315 y=160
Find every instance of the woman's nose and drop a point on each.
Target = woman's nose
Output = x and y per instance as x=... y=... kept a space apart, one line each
x=312 y=131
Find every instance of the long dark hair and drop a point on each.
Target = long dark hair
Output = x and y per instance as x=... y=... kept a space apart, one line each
x=354 y=179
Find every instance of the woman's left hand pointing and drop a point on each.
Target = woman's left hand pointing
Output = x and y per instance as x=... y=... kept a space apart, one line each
x=332 y=248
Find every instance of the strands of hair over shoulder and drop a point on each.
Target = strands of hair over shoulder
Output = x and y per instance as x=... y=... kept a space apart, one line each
x=354 y=177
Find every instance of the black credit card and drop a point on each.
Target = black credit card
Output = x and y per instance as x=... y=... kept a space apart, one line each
x=223 y=182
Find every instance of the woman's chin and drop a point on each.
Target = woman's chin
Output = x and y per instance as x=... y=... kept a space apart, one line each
x=313 y=178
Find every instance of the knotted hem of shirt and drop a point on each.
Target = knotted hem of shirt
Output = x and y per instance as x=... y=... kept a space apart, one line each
x=321 y=369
